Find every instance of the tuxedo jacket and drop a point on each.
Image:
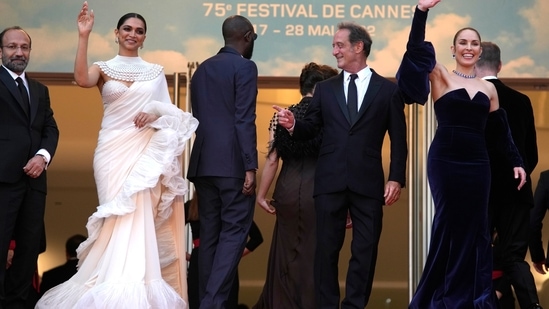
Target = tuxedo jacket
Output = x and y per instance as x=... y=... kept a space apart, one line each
x=223 y=97
x=22 y=135
x=351 y=153
x=520 y=116
x=541 y=205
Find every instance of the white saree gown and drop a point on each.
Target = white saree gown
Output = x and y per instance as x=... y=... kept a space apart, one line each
x=134 y=257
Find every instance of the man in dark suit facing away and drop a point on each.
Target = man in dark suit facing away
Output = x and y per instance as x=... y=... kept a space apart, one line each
x=28 y=140
x=63 y=272
x=224 y=158
x=355 y=110
x=510 y=208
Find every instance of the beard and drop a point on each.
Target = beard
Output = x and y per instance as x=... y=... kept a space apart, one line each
x=249 y=51
x=17 y=66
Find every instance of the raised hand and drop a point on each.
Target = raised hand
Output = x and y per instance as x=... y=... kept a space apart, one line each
x=424 y=5
x=85 y=19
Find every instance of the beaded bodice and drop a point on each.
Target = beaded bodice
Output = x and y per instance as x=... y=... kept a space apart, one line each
x=129 y=69
x=288 y=147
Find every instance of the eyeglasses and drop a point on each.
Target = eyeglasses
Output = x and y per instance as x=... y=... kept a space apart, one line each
x=24 y=48
x=254 y=35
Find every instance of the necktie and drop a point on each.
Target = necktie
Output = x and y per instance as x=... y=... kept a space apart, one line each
x=352 y=98
x=24 y=94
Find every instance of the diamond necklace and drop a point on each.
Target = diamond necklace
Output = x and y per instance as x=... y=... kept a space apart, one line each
x=464 y=75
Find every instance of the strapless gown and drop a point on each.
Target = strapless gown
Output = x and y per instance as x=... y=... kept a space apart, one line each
x=457 y=273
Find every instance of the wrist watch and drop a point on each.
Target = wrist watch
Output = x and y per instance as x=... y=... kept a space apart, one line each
x=43 y=158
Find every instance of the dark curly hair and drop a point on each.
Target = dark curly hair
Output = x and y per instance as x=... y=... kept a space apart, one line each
x=287 y=147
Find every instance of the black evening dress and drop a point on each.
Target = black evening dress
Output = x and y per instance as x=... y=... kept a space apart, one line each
x=290 y=280
x=457 y=273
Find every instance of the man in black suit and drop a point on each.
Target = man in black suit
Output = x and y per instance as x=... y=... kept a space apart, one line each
x=63 y=272
x=224 y=158
x=349 y=172
x=510 y=208
x=541 y=205
x=28 y=139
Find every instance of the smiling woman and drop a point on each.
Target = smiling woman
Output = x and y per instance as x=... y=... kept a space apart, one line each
x=134 y=256
x=458 y=270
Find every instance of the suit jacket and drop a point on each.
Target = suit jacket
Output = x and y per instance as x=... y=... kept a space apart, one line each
x=58 y=275
x=21 y=137
x=520 y=117
x=223 y=96
x=541 y=205
x=351 y=153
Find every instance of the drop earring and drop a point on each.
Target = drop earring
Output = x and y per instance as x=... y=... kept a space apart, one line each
x=453 y=56
x=141 y=47
x=116 y=40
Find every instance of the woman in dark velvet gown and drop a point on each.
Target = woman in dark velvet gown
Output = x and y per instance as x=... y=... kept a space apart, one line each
x=458 y=270
x=290 y=282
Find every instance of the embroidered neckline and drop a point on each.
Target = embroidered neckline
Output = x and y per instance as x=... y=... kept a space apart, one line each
x=130 y=69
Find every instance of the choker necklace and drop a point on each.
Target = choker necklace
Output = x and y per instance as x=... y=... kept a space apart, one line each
x=464 y=75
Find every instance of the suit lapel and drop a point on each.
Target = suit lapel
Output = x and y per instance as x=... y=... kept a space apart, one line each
x=373 y=88
x=337 y=85
x=33 y=90
x=8 y=81
x=371 y=92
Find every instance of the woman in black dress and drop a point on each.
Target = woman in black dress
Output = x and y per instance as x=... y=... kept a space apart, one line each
x=289 y=283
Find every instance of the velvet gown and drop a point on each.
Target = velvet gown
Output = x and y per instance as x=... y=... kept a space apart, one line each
x=457 y=273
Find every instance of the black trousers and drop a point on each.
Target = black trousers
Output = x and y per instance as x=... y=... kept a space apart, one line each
x=21 y=219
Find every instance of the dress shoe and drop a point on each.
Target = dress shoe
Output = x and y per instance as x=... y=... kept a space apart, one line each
x=535 y=306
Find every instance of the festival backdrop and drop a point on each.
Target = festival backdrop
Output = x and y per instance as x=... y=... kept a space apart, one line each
x=290 y=33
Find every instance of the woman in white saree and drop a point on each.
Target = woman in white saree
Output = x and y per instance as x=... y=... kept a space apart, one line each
x=135 y=255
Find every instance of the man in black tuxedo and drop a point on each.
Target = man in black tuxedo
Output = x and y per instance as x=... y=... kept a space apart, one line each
x=355 y=110
x=63 y=272
x=510 y=208
x=224 y=158
x=541 y=205
x=28 y=140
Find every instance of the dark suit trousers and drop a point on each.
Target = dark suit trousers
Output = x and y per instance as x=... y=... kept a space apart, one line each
x=511 y=221
x=331 y=211
x=192 y=284
x=22 y=219
x=225 y=219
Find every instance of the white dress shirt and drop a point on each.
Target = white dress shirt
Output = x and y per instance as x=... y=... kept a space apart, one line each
x=362 y=82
